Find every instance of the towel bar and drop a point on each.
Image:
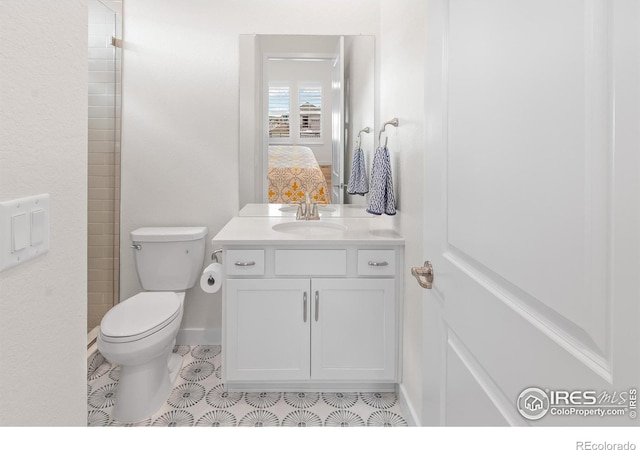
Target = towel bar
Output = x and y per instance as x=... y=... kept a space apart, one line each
x=393 y=122
x=364 y=130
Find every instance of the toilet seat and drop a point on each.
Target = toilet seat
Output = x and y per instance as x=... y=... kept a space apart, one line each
x=140 y=316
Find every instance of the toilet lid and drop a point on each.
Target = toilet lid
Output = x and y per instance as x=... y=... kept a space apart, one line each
x=140 y=315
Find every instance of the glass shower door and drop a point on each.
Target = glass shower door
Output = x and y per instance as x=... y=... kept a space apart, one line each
x=104 y=65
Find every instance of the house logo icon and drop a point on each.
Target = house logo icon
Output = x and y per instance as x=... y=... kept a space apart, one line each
x=533 y=403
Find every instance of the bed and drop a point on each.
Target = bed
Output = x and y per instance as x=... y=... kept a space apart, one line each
x=292 y=171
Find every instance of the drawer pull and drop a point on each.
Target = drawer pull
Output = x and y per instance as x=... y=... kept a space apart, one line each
x=378 y=263
x=245 y=263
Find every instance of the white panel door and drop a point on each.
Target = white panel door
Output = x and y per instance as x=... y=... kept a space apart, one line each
x=532 y=212
x=353 y=331
x=267 y=329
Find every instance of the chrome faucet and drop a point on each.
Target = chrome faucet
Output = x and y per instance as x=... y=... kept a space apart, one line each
x=300 y=213
x=313 y=214
x=307 y=210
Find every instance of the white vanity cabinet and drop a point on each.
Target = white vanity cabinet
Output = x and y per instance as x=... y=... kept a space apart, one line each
x=296 y=317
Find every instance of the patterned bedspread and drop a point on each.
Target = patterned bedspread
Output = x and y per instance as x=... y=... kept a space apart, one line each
x=294 y=170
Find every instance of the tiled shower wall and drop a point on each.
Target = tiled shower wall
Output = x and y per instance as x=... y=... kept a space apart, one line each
x=104 y=162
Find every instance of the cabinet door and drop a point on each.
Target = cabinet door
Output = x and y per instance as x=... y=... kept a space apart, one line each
x=353 y=329
x=267 y=329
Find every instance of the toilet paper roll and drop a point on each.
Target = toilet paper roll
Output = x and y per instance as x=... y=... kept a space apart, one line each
x=211 y=279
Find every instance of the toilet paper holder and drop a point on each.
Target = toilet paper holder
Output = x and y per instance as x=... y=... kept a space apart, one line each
x=214 y=255
x=209 y=279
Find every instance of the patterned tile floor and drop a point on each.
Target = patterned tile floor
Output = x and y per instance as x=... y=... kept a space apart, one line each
x=198 y=399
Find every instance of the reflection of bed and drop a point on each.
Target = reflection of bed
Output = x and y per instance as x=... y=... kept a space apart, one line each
x=292 y=171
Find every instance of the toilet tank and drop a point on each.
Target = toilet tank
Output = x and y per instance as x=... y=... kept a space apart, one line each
x=168 y=258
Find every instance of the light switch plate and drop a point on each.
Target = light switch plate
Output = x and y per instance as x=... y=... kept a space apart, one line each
x=38 y=226
x=23 y=237
x=19 y=232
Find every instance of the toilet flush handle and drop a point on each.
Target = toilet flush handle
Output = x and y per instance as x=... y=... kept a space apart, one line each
x=136 y=246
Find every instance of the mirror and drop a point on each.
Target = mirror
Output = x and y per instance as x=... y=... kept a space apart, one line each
x=303 y=101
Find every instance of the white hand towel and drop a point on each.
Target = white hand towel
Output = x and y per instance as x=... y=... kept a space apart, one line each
x=358 y=182
x=381 y=197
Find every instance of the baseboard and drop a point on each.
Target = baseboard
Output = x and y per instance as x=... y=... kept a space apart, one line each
x=309 y=386
x=199 y=336
x=408 y=411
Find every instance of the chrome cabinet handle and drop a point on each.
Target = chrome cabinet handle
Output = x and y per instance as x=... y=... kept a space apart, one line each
x=317 y=304
x=304 y=307
x=425 y=271
x=245 y=263
x=378 y=263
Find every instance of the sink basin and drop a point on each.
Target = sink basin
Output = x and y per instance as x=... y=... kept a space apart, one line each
x=321 y=209
x=309 y=227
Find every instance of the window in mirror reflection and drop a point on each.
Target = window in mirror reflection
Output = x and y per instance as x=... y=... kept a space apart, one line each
x=310 y=101
x=279 y=112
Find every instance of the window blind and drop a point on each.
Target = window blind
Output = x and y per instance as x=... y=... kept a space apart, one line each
x=310 y=107
x=279 y=111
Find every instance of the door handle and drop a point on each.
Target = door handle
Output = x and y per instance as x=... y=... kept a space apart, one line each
x=317 y=304
x=425 y=271
x=304 y=307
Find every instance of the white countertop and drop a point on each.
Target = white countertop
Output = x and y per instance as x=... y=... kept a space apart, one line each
x=258 y=231
x=289 y=210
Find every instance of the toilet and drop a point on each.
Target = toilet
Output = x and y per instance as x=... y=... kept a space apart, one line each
x=140 y=332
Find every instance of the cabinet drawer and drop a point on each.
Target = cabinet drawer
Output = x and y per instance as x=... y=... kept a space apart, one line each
x=311 y=262
x=244 y=262
x=377 y=262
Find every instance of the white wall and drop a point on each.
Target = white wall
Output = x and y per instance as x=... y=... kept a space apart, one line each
x=43 y=148
x=180 y=112
x=402 y=71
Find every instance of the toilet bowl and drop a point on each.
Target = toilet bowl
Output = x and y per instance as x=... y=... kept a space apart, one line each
x=142 y=346
x=139 y=333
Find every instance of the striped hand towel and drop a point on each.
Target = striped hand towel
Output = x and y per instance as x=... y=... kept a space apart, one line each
x=358 y=182
x=381 y=197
